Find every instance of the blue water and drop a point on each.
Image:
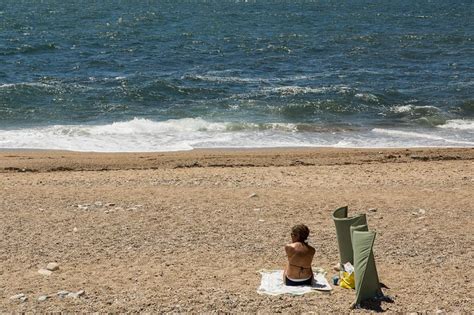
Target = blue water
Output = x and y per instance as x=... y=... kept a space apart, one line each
x=177 y=75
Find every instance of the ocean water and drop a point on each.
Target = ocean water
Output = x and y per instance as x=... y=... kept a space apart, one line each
x=176 y=75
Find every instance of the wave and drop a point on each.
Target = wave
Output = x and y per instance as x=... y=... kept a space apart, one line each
x=29 y=49
x=419 y=115
x=24 y=84
x=145 y=135
x=430 y=139
x=461 y=124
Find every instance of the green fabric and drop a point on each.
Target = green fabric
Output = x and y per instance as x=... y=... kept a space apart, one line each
x=367 y=283
x=343 y=232
x=356 y=246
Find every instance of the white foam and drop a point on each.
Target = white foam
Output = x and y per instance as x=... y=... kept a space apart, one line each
x=428 y=139
x=294 y=90
x=14 y=85
x=462 y=124
x=144 y=135
x=367 y=97
x=410 y=107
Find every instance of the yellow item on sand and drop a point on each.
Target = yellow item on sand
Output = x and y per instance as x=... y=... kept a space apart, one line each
x=347 y=280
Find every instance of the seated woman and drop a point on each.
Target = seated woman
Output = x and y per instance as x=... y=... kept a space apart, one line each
x=300 y=256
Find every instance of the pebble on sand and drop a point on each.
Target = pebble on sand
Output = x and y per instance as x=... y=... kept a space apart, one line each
x=62 y=293
x=19 y=297
x=52 y=266
x=75 y=295
x=45 y=272
x=42 y=298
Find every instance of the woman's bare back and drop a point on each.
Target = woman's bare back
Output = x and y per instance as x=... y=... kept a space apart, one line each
x=300 y=256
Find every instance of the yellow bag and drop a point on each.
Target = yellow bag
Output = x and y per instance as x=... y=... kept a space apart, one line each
x=347 y=280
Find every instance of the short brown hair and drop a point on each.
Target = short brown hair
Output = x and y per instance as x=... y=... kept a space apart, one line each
x=301 y=232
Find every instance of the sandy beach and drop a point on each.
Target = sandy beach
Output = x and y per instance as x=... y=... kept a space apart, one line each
x=189 y=231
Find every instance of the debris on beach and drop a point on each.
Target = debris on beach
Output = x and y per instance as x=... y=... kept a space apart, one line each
x=69 y=294
x=419 y=212
x=42 y=298
x=21 y=297
x=253 y=195
x=63 y=293
x=45 y=272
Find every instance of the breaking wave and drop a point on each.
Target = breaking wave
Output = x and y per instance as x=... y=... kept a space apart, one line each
x=144 y=135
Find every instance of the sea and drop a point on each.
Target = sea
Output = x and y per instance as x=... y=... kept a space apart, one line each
x=147 y=76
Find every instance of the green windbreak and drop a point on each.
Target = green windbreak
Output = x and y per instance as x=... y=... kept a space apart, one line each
x=343 y=232
x=365 y=273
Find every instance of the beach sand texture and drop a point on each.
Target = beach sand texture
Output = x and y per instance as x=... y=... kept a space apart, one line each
x=188 y=231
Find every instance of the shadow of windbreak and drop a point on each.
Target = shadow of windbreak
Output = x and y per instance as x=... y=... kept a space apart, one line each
x=375 y=304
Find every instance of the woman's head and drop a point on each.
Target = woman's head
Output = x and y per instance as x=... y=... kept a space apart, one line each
x=300 y=233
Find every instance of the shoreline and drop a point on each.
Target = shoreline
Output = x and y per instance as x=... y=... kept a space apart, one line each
x=52 y=160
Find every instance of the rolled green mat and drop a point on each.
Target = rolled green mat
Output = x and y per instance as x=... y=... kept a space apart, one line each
x=343 y=232
x=367 y=283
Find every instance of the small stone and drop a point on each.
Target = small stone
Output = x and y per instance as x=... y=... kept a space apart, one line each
x=373 y=210
x=261 y=220
x=75 y=229
x=17 y=296
x=42 y=298
x=62 y=293
x=110 y=204
x=52 y=266
x=421 y=211
x=45 y=272
x=75 y=295
x=98 y=203
x=253 y=195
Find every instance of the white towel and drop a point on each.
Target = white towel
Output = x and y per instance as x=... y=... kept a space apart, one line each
x=272 y=284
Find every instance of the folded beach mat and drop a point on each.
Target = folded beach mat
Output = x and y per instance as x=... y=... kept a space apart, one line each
x=343 y=232
x=367 y=282
x=272 y=284
x=356 y=246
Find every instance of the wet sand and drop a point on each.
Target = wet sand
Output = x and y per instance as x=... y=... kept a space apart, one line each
x=188 y=231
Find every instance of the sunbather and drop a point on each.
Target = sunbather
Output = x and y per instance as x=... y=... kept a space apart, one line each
x=300 y=256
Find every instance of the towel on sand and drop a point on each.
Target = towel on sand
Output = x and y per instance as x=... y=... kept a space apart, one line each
x=272 y=284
